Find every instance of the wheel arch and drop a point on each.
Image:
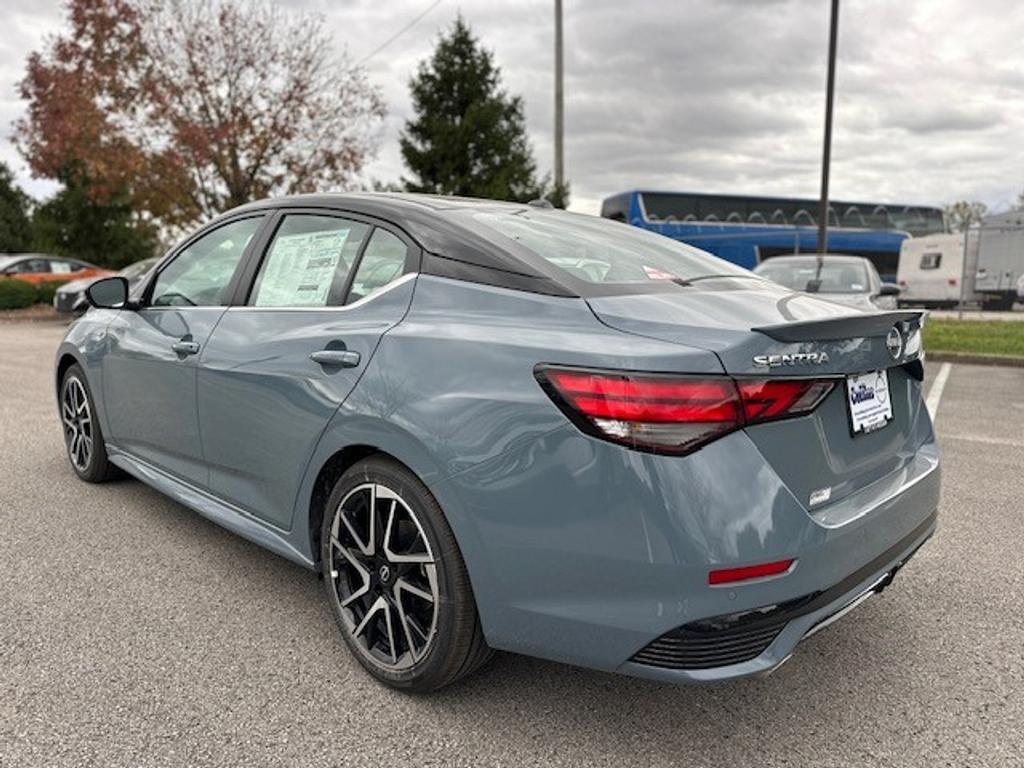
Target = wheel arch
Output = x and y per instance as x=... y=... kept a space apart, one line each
x=351 y=436
x=333 y=468
x=64 y=361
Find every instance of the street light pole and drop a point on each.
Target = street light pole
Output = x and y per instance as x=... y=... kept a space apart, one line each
x=827 y=155
x=559 y=108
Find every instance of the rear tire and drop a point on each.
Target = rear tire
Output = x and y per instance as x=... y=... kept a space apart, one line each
x=396 y=581
x=83 y=437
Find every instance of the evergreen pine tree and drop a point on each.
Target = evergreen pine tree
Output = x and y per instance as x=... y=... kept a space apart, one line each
x=468 y=136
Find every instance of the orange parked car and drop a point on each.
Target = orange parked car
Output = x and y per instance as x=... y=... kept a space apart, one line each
x=40 y=268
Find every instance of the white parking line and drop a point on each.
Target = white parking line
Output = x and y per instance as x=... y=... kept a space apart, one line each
x=935 y=393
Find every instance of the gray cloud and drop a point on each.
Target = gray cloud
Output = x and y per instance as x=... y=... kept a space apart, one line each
x=723 y=96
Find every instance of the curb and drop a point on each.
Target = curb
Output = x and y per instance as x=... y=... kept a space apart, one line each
x=961 y=357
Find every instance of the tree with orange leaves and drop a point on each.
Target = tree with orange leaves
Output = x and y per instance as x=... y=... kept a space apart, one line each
x=195 y=106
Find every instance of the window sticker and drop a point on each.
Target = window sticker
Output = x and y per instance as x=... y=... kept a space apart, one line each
x=301 y=268
x=658 y=274
x=60 y=267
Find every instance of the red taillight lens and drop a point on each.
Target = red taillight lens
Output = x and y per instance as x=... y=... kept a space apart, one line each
x=749 y=572
x=767 y=399
x=673 y=414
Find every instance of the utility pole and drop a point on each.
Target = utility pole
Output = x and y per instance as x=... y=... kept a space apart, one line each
x=559 y=107
x=827 y=158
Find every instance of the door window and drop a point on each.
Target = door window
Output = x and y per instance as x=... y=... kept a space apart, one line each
x=383 y=261
x=30 y=266
x=308 y=262
x=199 y=276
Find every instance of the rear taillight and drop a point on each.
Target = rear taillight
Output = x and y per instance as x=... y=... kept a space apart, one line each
x=768 y=399
x=673 y=414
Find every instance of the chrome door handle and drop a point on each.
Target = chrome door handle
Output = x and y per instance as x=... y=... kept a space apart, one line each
x=341 y=358
x=185 y=347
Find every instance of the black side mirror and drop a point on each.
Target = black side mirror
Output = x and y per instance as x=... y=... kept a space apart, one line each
x=889 y=289
x=108 y=293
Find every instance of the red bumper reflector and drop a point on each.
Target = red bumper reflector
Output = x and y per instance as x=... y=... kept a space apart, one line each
x=748 y=572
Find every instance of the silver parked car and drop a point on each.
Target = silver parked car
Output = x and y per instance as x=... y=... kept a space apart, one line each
x=70 y=298
x=850 y=280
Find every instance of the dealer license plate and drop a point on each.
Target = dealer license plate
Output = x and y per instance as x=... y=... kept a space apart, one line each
x=870 y=401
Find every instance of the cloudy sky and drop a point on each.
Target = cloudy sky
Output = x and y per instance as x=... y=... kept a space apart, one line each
x=723 y=96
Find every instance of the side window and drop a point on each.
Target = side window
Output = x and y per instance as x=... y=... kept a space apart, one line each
x=383 y=261
x=200 y=274
x=31 y=266
x=308 y=262
x=931 y=260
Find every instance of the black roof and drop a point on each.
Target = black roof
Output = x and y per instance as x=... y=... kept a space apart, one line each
x=443 y=228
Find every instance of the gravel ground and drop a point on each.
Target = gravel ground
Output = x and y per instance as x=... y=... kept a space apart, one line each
x=135 y=633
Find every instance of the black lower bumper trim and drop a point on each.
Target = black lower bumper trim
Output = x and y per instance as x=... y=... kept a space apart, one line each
x=736 y=637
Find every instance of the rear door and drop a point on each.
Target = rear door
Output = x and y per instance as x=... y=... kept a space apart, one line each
x=67 y=269
x=275 y=370
x=149 y=368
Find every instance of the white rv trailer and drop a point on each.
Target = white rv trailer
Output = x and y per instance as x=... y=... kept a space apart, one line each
x=931 y=268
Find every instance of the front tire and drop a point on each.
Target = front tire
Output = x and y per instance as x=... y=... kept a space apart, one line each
x=396 y=581
x=83 y=437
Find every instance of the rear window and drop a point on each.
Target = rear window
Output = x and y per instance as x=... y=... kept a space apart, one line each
x=931 y=260
x=836 y=276
x=596 y=250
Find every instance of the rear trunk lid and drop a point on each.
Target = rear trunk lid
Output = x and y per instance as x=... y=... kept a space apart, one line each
x=763 y=331
x=742 y=321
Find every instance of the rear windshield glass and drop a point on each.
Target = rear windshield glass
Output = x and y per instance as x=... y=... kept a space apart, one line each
x=601 y=251
x=836 y=276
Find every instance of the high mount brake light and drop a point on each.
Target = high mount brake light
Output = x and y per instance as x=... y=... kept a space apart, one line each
x=673 y=414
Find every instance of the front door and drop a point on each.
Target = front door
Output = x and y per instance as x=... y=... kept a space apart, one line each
x=275 y=371
x=149 y=370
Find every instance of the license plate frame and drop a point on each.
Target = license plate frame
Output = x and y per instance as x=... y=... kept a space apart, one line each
x=868 y=401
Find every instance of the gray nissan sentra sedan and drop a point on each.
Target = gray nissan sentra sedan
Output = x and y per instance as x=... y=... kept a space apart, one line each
x=498 y=426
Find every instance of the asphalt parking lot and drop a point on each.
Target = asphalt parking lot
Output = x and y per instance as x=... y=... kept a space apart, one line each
x=134 y=632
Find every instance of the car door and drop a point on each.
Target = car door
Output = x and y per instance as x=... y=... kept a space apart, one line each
x=149 y=367
x=275 y=370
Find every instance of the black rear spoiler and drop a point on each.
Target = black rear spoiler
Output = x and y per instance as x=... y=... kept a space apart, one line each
x=832 y=329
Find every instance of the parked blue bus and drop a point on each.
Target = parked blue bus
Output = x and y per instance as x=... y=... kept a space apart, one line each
x=746 y=230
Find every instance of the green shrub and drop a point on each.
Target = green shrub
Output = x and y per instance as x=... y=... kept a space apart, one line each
x=46 y=289
x=15 y=294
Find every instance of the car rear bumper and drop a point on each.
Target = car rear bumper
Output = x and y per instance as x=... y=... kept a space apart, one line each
x=759 y=641
x=587 y=553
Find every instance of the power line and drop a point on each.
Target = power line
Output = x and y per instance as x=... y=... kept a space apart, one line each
x=399 y=33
